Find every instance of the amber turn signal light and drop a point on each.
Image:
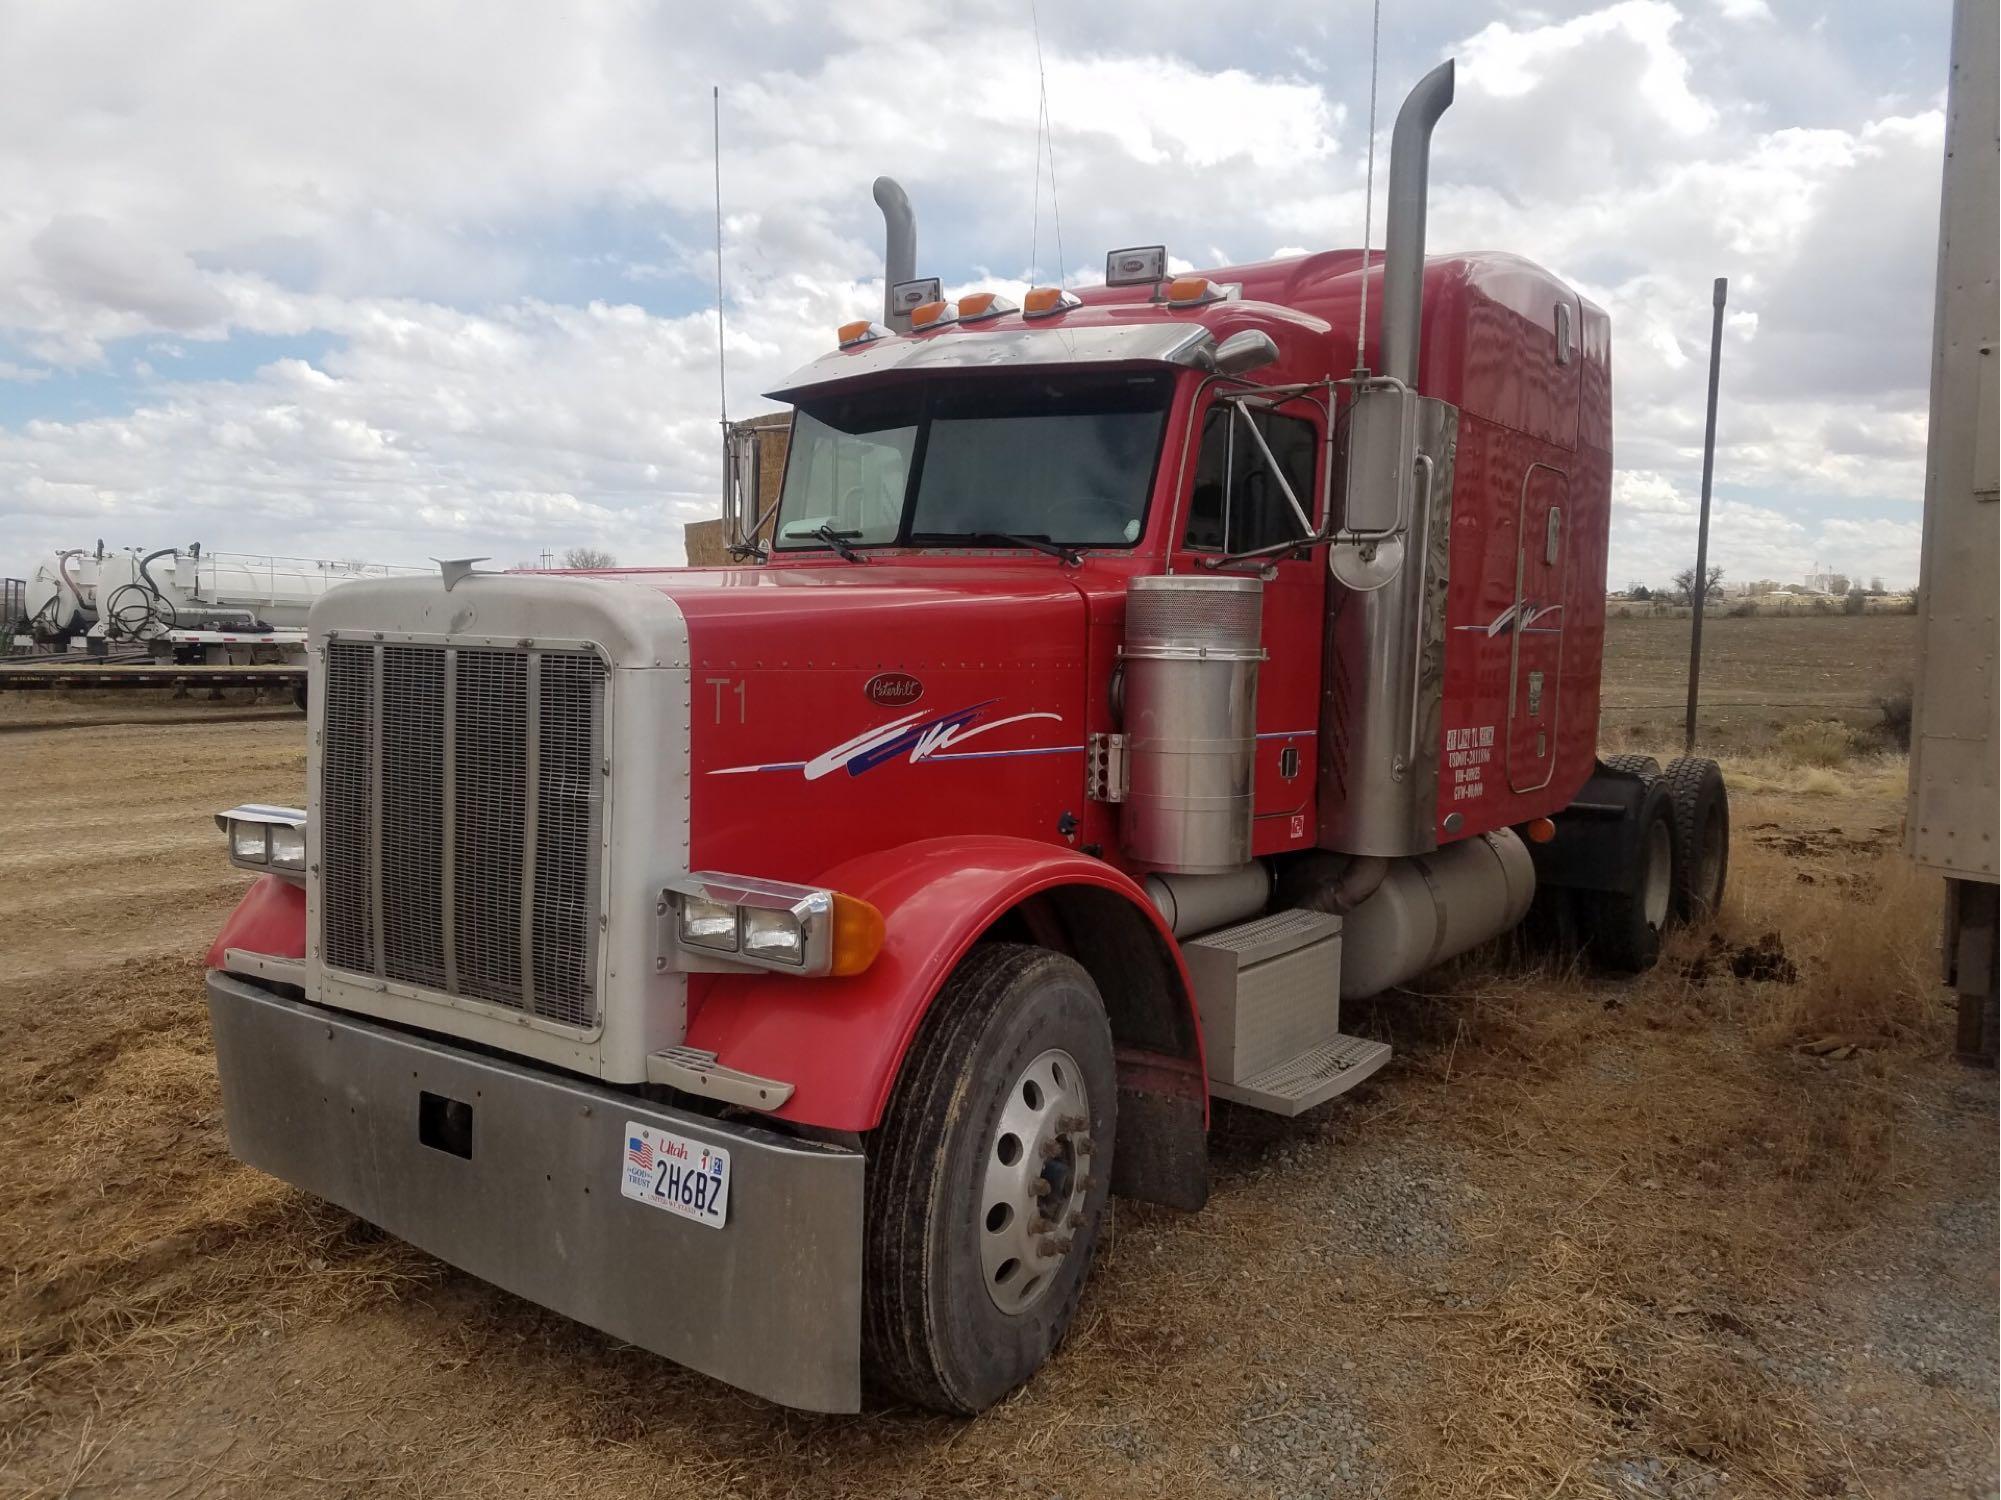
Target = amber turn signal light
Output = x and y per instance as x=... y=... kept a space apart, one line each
x=858 y=934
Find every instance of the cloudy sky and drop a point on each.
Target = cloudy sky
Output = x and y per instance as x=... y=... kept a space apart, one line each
x=391 y=280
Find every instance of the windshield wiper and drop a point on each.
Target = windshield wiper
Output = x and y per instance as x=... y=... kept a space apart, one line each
x=1038 y=541
x=838 y=540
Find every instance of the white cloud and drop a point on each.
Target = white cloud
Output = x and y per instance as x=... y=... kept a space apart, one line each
x=453 y=210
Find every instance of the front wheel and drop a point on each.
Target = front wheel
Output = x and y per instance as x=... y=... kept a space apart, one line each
x=987 y=1181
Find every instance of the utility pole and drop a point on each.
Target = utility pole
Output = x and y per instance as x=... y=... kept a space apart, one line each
x=1699 y=594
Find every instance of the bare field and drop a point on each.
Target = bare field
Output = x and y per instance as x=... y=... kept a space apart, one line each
x=1759 y=673
x=1725 y=1231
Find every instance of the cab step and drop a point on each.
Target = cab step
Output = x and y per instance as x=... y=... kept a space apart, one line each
x=1270 y=995
x=1314 y=1077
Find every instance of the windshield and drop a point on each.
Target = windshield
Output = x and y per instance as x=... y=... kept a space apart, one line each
x=1068 y=459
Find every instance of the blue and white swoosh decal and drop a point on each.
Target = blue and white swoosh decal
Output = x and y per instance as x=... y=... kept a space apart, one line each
x=921 y=739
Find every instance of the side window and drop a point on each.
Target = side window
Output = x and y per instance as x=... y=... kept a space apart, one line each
x=1238 y=504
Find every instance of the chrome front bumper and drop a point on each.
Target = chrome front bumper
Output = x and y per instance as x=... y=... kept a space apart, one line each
x=528 y=1198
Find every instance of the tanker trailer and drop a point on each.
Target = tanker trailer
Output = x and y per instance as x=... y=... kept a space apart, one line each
x=218 y=608
x=61 y=595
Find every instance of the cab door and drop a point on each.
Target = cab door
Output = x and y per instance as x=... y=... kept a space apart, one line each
x=1235 y=503
x=1535 y=658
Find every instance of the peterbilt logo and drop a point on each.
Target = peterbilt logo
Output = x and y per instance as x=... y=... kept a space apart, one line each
x=893 y=689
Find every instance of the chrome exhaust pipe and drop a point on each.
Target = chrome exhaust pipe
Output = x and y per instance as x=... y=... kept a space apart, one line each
x=1403 y=233
x=899 y=254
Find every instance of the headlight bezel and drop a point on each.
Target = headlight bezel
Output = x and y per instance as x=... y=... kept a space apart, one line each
x=266 y=840
x=831 y=933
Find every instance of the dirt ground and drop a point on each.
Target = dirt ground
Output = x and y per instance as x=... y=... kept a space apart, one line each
x=1759 y=672
x=1729 y=1230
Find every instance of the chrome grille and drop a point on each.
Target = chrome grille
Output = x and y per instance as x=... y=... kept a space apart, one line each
x=460 y=820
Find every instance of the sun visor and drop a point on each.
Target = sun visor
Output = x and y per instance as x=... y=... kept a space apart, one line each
x=1172 y=343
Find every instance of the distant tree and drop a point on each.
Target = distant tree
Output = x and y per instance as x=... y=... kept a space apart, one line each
x=1684 y=585
x=1876 y=586
x=588 y=557
x=1639 y=591
x=1854 y=602
x=1838 y=584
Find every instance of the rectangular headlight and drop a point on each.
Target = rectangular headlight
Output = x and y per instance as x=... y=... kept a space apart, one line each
x=773 y=934
x=712 y=921
x=288 y=847
x=708 y=924
x=262 y=837
x=248 y=843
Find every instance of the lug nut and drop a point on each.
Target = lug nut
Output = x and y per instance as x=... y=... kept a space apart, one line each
x=1073 y=1122
x=1051 y=1150
x=1040 y=1187
x=1077 y=1219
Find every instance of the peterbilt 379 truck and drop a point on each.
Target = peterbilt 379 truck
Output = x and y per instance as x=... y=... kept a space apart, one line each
x=778 y=966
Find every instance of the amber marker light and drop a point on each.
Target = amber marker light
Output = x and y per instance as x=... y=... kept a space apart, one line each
x=932 y=315
x=1047 y=301
x=858 y=934
x=861 y=331
x=1539 y=831
x=975 y=306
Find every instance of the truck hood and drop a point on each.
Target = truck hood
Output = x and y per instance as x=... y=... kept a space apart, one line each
x=875 y=615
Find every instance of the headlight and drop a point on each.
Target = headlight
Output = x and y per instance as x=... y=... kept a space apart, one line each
x=727 y=921
x=708 y=924
x=248 y=843
x=773 y=934
x=288 y=847
x=265 y=838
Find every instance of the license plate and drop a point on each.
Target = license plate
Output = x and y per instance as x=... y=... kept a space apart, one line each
x=670 y=1171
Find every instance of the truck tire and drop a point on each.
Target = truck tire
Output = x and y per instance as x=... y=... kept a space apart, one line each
x=1701 y=836
x=1643 y=766
x=1622 y=929
x=972 y=1272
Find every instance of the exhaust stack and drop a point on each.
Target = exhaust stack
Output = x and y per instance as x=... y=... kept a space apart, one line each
x=1403 y=234
x=899 y=254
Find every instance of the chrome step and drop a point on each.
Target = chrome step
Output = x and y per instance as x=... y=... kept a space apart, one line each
x=1311 y=1078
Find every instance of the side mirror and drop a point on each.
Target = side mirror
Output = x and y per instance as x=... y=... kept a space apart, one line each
x=1246 y=350
x=1382 y=451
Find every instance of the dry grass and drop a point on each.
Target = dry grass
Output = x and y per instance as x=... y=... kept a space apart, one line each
x=1644 y=1196
x=1817 y=742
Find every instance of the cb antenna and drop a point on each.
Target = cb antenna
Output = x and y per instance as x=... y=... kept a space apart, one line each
x=722 y=358
x=1369 y=189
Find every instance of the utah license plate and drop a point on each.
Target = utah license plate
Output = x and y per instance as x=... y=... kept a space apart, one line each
x=670 y=1171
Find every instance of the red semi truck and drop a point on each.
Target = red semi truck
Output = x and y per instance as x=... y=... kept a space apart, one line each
x=778 y=966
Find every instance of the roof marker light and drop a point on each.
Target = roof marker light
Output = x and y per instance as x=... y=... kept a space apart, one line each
x=1193 y=291
x=933 y=315
x=977 y=306
x=861 y=331
x=1048 y=301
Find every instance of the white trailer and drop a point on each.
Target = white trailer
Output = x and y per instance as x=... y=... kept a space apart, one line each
x=192 y=606
x=1950 y=827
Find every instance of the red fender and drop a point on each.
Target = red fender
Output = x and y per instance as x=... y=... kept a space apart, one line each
x=271 y=918
x=839 y=1042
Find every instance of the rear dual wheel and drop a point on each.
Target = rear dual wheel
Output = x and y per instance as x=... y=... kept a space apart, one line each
x=987 y=1181
x=1622 y=928
x=1701 y=836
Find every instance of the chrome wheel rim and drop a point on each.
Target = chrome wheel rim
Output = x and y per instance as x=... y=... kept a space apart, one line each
x=1038 y=1167
x=1656 y=885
